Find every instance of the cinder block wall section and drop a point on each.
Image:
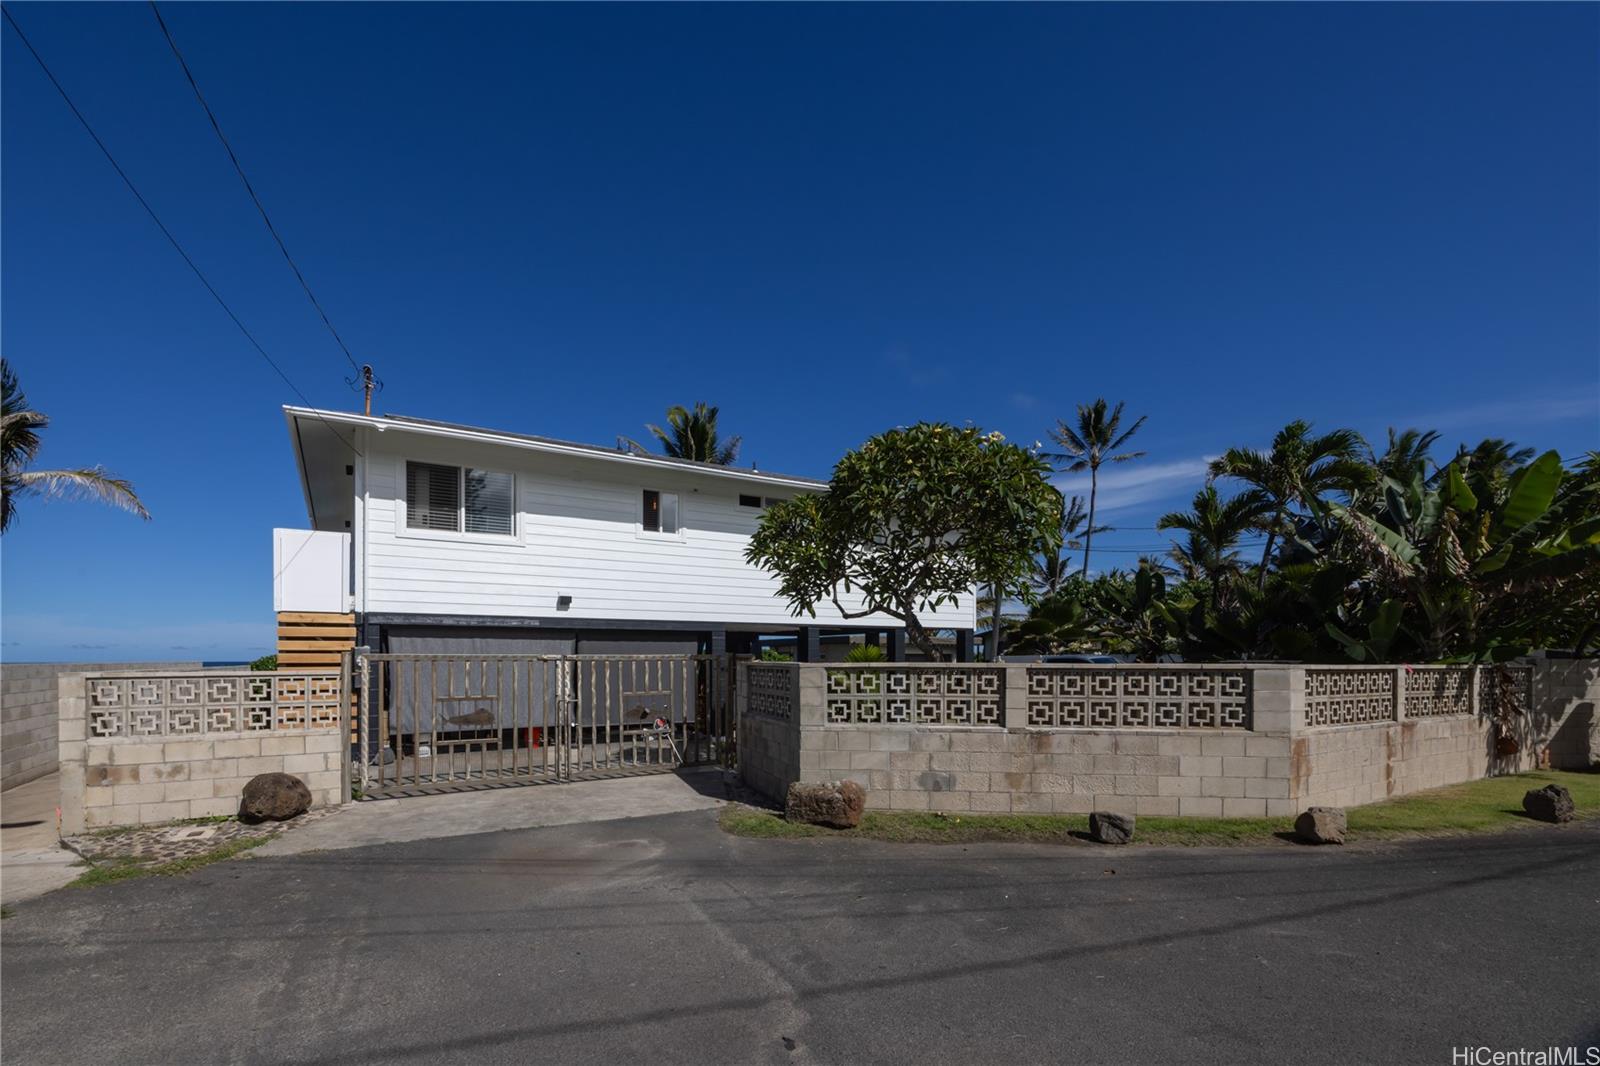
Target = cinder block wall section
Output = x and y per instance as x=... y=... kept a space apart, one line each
x=184 y=746
x=1348 y=765
x=1232 y=740
x=28 y=731
x=768 y=726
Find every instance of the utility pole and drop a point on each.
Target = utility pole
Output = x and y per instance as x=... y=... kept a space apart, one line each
x=366 y=388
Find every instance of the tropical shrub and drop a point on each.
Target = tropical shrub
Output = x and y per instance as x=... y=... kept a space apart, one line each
x=913 y=520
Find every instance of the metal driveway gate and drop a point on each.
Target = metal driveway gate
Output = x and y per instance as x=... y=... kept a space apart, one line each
x=439 y=723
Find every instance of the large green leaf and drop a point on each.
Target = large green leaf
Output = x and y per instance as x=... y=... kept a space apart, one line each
x=1461 y=497
x=1532 y=489
x=1353 y=647
x=1385 y=624
x=1400 y=546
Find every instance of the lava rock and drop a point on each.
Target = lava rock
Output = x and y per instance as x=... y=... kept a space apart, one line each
x=836 y=804
x=1106 y=827
x=1321 y=825
x=273 y=798
x=1552 y=803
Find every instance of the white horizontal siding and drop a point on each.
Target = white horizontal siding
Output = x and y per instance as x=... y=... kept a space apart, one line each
x=578 y=536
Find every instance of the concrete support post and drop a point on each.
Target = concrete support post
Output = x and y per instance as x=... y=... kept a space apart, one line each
x=808 y=644
x=963 y=645
x=897 y=645
x=1016 y=688
x=1277 y=698
x=72 y=733
x=1399 y=693
x=810 y=697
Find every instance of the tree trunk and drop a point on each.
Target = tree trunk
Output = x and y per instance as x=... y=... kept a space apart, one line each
x=994 y=625
x=1266 y=553
x=1088 y=533
x=919 y=636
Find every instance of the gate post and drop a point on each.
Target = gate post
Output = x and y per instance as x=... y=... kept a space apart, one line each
x=363 y=681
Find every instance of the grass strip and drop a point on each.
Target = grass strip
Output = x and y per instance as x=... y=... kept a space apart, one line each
x=1494 y=803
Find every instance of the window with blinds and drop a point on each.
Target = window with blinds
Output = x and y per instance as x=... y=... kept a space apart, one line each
x=452 y=499
x=433 y=497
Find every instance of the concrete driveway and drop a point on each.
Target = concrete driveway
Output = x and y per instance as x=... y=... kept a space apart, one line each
x=660 y=939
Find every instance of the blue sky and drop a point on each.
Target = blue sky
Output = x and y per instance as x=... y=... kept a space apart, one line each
x=827 y=219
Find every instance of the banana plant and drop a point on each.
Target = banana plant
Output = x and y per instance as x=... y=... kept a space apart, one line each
x=1481 y=576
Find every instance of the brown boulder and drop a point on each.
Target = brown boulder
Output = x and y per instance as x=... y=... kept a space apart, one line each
x=1109 y=827
x=1321 y=825
x=1552 y=803
x=273 y=798
x=836 y=804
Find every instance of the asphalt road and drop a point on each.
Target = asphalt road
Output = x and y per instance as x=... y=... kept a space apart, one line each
x=662 y=940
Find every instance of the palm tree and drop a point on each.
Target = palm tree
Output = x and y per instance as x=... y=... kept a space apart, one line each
x=1090 y=444
x=1215 y=527
x=1408 y=455
x=691 y=435
x=1489 y=466
x=1051 y=572
x=19 y=446
x=1298 y=471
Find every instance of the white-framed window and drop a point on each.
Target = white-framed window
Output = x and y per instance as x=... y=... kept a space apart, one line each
x=456 y=499
x=659 y=512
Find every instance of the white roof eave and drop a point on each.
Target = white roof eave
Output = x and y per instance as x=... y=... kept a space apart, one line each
x=385 y=425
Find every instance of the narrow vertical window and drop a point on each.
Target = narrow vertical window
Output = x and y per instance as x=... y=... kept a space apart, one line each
x=660 y=514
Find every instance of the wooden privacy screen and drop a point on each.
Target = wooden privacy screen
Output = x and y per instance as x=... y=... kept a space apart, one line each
x=311 y=640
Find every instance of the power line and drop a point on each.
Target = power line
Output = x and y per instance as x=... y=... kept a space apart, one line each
x=162 y=226
x=239 y=168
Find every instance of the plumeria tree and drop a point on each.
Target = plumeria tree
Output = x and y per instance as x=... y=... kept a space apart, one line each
x=915 y=519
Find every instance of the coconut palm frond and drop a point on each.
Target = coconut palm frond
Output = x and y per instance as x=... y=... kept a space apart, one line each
x=19 y=445
x=91 y=483
x=692 y=434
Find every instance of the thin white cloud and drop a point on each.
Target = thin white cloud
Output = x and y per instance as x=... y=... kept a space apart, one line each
x=1125 y=485
x=1496 y=414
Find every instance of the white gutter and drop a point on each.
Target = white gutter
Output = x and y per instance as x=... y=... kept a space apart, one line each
x=384 y=425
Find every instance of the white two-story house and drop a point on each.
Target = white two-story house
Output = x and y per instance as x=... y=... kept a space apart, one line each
x=448 y=538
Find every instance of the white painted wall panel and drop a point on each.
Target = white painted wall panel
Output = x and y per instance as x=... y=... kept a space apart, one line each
x=578 y=535
x=311 y=571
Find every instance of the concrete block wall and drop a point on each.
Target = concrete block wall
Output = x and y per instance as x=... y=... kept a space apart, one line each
x=123 y=781
x=1275 y=768
x=769 y=736
x=1567 y=700
x=28 y=713
x=1346 y=766
x=1148 y=772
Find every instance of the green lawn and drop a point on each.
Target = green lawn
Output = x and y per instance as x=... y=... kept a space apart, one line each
x=1477 y=806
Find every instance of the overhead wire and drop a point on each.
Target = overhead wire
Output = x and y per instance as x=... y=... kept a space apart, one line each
x=167 y=233
x=261 y=209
